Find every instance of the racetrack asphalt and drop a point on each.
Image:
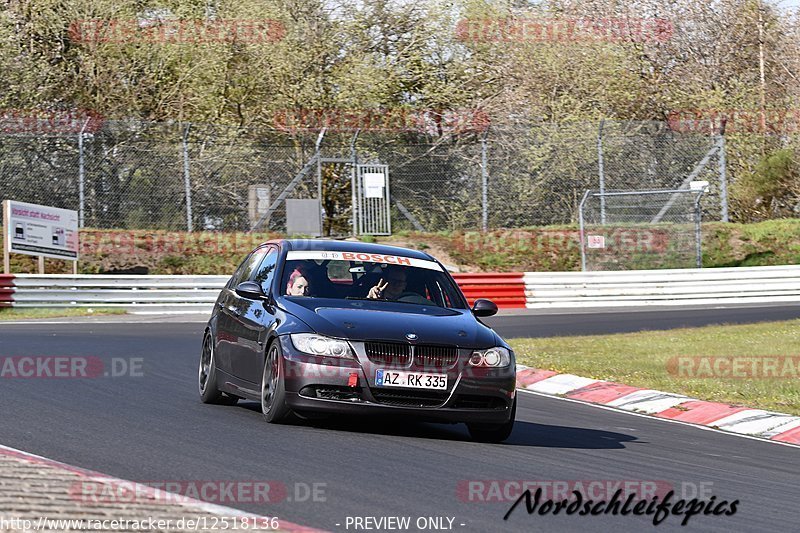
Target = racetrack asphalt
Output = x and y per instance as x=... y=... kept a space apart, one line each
x=152 y=427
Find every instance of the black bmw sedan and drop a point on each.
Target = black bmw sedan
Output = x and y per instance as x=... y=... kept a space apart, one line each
x=315 y=327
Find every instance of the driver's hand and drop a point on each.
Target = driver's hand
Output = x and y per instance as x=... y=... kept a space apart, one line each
x=377 y=291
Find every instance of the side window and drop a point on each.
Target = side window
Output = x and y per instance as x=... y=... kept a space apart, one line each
x=232 y=282
x=247 y=267
x=266 y=270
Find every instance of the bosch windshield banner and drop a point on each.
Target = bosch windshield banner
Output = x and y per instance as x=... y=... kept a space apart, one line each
x=362 y=257
x=40 y=230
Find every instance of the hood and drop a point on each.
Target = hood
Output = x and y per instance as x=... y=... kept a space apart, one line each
x=361 y=320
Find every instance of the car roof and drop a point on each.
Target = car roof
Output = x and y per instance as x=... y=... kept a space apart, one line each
x=353 y=246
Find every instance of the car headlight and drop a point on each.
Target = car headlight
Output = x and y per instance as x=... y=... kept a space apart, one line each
x=497 y=357
x=314 y=344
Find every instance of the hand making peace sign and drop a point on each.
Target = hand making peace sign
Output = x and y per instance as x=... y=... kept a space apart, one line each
x=377 y=290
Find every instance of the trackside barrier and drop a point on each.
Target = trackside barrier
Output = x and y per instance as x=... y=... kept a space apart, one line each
x=138 y=294
x=6 y=290
x=197 y=293
x=663 y=287
x=534 y=290
x=507 y=290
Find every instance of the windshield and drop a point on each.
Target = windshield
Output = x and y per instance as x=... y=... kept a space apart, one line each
x=360 y=276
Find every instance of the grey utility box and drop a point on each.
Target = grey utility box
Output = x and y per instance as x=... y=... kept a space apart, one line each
x=304 y=217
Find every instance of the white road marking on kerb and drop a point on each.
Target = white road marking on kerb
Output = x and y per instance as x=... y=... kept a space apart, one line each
x=561 y=384
x=649 y=401
x=657 y=419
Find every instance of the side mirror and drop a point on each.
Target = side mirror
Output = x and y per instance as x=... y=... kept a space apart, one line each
x=484 y=307
x=250 y=290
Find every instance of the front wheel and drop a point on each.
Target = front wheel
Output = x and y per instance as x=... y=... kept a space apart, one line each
x=273 y=392
x=493 y=433
x=207 y=376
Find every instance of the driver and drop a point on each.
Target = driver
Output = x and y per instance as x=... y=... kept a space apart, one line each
x=391 y=285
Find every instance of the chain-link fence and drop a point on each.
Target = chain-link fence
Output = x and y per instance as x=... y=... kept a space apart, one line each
x=639 y=230
x=173 y=176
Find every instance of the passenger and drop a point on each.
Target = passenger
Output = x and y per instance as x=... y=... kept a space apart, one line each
x=298 y=284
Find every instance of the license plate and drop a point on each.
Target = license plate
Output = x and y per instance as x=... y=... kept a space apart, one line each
x=416 y=380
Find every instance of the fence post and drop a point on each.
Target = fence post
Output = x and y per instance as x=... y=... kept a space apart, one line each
x=484 y=185
x=601 y=170
x=353 y=185
x=81 y=177
x=698 y=238
x=581 y=231
x=321 y=210
x=723 y=180
x=187 y=183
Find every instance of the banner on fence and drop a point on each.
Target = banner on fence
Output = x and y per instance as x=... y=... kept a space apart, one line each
x=39 y=230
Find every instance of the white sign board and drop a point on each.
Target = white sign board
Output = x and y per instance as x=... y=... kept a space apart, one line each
x=374 y=182
x=33 y=229
x=596 y=241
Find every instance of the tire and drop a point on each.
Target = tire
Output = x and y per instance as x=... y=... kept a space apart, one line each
x=273 y=388
x=493 y=433
x=207 y=376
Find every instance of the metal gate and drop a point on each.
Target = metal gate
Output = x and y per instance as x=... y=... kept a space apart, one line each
x=641 y=230
x=371 y=193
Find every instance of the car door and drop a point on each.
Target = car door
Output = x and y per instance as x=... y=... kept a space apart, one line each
x=230 y=307
x=255 y=319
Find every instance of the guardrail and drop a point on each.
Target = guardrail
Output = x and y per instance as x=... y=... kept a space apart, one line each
x=662 y=287
x=534 y=290
x=139 y=294
x=6 y=290
x=197 y=293
x=507 y=290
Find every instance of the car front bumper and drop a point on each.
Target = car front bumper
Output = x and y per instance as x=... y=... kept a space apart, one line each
x=347 y=386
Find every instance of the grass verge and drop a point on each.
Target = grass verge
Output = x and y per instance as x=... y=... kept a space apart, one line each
x=658 y=360
x=21 y=313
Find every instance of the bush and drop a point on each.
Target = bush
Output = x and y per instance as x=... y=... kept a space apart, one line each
x=772 y=190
